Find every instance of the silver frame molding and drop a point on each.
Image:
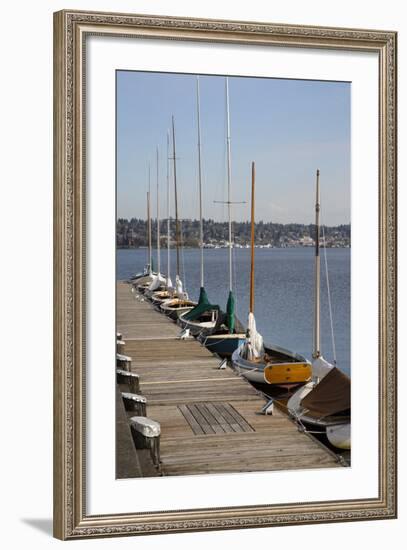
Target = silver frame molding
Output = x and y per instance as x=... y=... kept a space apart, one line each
x=70 y=31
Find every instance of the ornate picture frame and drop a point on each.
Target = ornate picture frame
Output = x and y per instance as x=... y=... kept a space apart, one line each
x=71 y=29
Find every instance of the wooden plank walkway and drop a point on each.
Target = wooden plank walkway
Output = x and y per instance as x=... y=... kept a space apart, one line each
x=210 y=421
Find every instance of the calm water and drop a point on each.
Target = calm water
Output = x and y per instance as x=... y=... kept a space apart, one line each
x=284 y=282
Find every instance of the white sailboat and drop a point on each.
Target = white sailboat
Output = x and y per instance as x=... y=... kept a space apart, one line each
x=179 y=303
x=142 y=283
x=161 y=295
x=159 y=280
x=324 y=402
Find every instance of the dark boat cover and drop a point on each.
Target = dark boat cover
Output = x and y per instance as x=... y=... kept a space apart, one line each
x=331 y=396
x=198 y=310
x=204 y=306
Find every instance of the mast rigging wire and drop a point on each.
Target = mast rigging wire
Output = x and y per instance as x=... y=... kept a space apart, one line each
x=329 y=297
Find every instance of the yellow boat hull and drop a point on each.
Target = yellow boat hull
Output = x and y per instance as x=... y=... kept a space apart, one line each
x=287 y=373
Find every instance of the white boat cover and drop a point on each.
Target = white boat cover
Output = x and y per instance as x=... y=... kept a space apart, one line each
x=158 y=280
x=254 y=344
x=169 y=284
x=321 y=367
x=145 y=426
x=179 y=291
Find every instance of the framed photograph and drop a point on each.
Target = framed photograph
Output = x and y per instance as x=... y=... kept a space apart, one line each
x=225 y=274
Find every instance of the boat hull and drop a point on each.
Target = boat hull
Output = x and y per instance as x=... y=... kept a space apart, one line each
x=288 y=373
x=142 y=288
x=255 y=372
x=335 y=427
x=195 y=329
x=174 y=312
x=339 y=436
x=252 y=375
x=159 y=297
x=223 y=345
x=145 y=280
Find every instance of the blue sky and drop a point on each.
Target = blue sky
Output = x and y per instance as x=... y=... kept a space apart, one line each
x=288 y=127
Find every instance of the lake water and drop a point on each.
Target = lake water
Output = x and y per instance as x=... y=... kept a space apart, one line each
x=284 y=291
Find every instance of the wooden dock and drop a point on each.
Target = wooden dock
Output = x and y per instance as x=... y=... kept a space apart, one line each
x=209 y=417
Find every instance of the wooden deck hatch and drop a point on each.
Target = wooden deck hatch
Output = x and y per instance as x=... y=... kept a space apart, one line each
x=214 y=418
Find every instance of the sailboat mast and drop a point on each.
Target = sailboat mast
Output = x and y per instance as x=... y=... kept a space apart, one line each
x=251 y=307
x=158 y=222
x=317 y=351
x=229 y=184
x=168 y=207
x=200 y=181
x=150 y=257
x=177 y=232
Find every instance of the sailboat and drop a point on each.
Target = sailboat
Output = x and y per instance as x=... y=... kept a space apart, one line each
x=159 y=296
x=179 y=303
x=147 y=268
x=324 y=402
x=253 y=358
x=143 y=283
x=158 y=281
x=220 y=332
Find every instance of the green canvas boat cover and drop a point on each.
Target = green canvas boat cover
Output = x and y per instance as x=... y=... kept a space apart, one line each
x=197 y=311
x=230 y=313
x=203 y=297
x=202 y=306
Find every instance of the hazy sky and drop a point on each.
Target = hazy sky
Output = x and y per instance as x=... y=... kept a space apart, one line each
x=288 y=127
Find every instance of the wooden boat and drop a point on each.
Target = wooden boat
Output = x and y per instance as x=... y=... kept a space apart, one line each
x=142 y=283
x=148 y=268
x=202 y=318
x=324 y=402
x=179 y=303
x=141 y=274
x=266 y=365
x=220 y=332
x=174 y=307
x=160 y=296
x=276 y=366
x=222 y=343
x=158 y=282
x=210 y=325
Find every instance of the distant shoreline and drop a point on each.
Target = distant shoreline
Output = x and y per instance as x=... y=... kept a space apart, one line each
x=120 y=247
x=134 y=234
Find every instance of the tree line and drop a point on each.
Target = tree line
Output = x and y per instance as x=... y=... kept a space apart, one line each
x=133 y=233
